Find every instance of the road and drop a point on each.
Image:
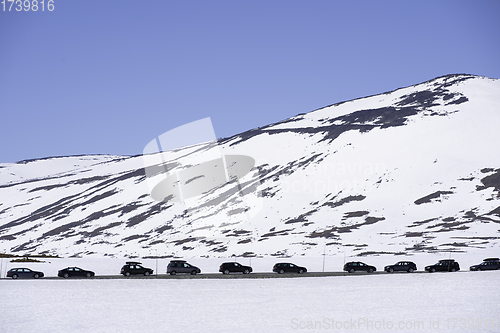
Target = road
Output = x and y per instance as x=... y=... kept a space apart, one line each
x=229 y=276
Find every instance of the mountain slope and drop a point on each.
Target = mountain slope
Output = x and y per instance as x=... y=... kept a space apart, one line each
x=411 y=170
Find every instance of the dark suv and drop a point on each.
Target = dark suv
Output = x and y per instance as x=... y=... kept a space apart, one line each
x=181 y=266
x=488 y=264
x=445 y=265
x=133 y=267
x=285 y=267
x=401 y=266
x=234 y=267
x=354 y=266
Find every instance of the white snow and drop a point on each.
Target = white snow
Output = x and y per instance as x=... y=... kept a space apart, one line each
x=390 y=167
x=439 y=302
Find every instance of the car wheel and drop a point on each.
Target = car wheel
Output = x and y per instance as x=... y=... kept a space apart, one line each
x=193 y=272
x=391 y=270
x=66 y=275
x=433 y=270
x=173 y=272
x=146 y=273
x=15 y=276
x=453 y=270
x=88 y=275
x=351 y=270
x=410 y=270
x=478 y=269
x=127 y=274
x=281 y=271
x=246 y=271
x=301 y=271
x=370 y=270
x=226 y=271
x=36 y=276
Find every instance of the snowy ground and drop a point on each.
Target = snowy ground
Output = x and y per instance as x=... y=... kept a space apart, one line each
x=442 y=302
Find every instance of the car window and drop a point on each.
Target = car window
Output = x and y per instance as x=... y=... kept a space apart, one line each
x=236 y=265
x=292 y=265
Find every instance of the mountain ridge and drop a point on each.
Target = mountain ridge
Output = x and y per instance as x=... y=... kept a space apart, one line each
x=406 y=171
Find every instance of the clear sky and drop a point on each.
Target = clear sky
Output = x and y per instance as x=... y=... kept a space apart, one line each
x=106 y=77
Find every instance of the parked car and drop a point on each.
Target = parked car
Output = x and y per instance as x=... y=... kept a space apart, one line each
x=74 y=271
x=354 y=266
x=181 y=266
x=445 y=265
x=234 y=267
x=401 y=266
x=25 y=273
x=133 y=267
x=286 y=267
x=488 y=264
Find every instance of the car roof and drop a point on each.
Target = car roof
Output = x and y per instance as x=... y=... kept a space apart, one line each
x=492 y=259
x=133 y=263
x=177 y=260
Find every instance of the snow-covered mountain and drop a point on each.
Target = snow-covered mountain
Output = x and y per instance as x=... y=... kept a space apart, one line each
x=412 y=170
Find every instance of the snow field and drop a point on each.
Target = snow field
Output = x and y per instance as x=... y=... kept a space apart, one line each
x=441 y=302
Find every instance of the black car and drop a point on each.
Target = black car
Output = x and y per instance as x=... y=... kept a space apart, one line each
x=75 y=271
x=354 y=266
x=232 y=267
x=488 y=264
x=181 y=266
x=401 y=266
x=286 y=267
x=132 y=267
x=445 y=265
x=24 y=273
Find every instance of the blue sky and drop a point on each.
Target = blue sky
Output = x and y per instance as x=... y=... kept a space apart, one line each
x=106 y=77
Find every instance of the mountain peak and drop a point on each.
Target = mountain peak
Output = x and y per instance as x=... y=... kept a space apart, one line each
x=407 y=171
